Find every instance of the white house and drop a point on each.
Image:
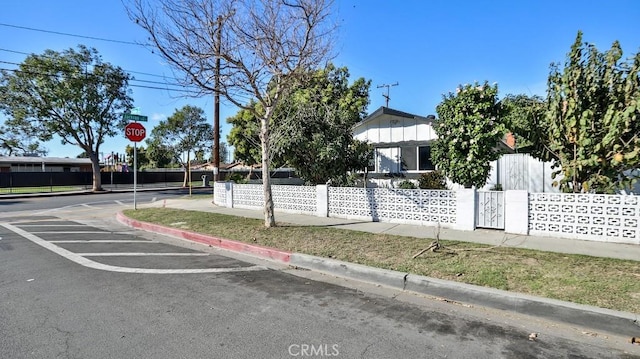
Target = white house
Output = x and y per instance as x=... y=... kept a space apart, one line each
x=402 y=147
x=401 y=141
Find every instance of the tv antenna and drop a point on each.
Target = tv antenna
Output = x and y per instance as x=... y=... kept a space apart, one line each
x=387 y=98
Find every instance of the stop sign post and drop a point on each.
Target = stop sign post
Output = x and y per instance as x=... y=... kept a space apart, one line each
x=135 y=132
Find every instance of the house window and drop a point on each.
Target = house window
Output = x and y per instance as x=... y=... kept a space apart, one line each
x=409 y=160
x=424 y=157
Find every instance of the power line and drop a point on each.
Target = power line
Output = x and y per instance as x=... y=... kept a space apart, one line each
x=129 y=71
x=72 y=35
x=184 y=90
x=193 y=89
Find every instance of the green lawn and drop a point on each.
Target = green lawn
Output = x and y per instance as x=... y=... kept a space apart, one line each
x=602 y=282
x=46 y=189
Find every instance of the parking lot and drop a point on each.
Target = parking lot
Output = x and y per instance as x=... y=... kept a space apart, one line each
x=119 y=250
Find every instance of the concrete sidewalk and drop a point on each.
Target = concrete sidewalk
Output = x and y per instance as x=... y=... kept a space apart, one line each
x=491 y=237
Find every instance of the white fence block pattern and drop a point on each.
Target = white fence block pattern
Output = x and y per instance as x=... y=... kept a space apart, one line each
x=427 y=207
x=292 y=199
x=295 y=199
x=600 y=217
x=219 y=194
x=248 y=196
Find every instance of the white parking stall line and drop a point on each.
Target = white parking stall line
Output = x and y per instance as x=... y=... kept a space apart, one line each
x=76 y=258
x=103 y=241
x=70 y=232
x=133 y=254
x=53 y=225
x=89 y=206
x=120 y=203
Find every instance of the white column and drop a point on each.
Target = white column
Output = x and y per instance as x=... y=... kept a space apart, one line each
x=516 y=212
x=228 y=187
x=322 y=200
x=465 y=209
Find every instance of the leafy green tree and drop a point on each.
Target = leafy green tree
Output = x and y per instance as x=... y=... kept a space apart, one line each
x=141 y=157
x=159 y=154
x=244 y=136
x=311 y=128
x=20 y=142
x=593 y=119
x=524 y=116
x=469 y=129
x=224 y=153
x=72 y=94
x=187 y=130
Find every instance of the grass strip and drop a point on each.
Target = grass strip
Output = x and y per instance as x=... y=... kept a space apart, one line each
x=602 y=282
x=40 y=189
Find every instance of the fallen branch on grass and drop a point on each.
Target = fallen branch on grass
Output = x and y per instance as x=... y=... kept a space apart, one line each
x=435 y=246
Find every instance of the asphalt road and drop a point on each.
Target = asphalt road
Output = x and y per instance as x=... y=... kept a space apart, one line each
x=76 y=284
x=58 y=203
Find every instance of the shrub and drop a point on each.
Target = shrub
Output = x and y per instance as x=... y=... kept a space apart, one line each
x=236 y=177
x=407 y=185
x=432 y=180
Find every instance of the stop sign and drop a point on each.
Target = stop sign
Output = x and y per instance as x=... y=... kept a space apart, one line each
x=135 y=132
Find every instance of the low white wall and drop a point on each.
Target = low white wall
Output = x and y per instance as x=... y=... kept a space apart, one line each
x=607 y=218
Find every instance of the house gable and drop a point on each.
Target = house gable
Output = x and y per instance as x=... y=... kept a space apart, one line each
x=401 y=140
x=387 y=126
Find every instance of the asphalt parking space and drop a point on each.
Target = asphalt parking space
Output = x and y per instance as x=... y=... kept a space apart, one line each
x=120 y=250
x=172 y=262
x=148 y=247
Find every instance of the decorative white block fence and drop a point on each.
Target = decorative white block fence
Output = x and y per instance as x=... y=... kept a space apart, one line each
x=599 y=217
x=608 y=218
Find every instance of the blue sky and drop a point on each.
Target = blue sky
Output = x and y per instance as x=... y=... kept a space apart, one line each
x=427 y=47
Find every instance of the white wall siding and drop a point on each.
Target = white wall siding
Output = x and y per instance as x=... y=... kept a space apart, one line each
x=388 y=130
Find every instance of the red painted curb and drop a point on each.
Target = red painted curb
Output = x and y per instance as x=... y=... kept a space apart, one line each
x=265 y=252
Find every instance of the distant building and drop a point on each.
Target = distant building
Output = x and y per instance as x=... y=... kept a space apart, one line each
x=44 y=164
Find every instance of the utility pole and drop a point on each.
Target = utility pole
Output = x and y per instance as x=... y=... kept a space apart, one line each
x=216 y=105
x=387 y=98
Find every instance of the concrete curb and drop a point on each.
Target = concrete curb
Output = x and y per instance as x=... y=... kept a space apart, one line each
x=594 y=318
x=264 y=252
x=600 y=319
x=360 y=272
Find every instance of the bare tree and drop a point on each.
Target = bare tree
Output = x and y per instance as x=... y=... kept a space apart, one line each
x=265 y=46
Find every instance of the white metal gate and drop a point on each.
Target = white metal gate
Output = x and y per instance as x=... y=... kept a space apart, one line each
x=490 y=211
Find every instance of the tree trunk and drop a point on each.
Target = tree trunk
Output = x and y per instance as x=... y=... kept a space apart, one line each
x=186 y=171
x=269 y=216
x=95 y=166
